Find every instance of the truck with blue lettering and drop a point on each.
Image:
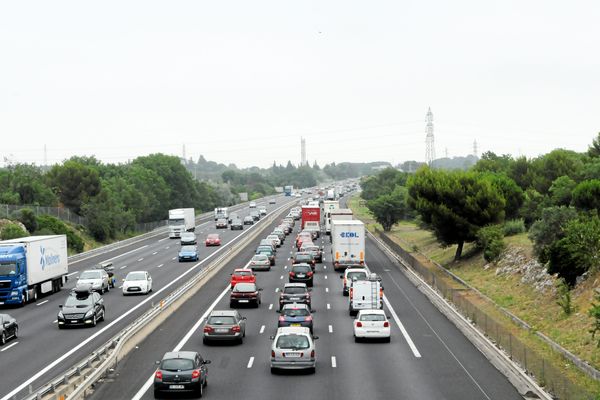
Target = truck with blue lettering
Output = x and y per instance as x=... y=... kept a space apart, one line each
x=288 y=190
x=347 y=243
x=32 y=266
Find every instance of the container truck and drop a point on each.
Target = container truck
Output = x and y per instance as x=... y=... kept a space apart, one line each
x=32 y=266
x=181 y=220
x=338 y=214
x=288 y=190
x=221 y=213
x=348 y=243
x=311 y=213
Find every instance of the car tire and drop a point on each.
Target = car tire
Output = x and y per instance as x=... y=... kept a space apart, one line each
x=205 y=384
x=356 y=339
x=388 y=339
x=94 y=321
x=157 y=394
x=205 y=341
x=273 y=371
x=108 y=287
x=103 y=315
x=231 y=304
x=3 y=339
x=312 y=370
x=60 y=327
x=201 y=390
x=16 y=334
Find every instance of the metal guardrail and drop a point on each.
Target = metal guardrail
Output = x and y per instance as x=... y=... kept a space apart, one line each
x=107 y=355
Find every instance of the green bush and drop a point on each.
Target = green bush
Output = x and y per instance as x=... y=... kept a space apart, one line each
x=564 y=297
x=490 y=240
x=48 y=223
x=12 y=231
x=513 y=227
x=27 y=218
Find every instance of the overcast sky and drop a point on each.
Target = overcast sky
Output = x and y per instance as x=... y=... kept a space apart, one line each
x=242 y=81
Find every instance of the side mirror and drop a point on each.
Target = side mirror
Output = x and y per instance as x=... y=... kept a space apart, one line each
x=206 y=362
x=315 y=337
x=157 y=362
x=278 y=311
x=60 y=306
x=342 y=276
x=272 y=337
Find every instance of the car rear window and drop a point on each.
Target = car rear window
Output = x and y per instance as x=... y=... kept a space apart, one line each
x=303 y=257
x=188 y=248
x=357 y=275
x=213 y=236
x=260 y=257
x=372 y=317
x=244 y=287
x=295 y=312
x=221 y=320
x=292 y=342
x=244 y=273
x=177 y=364
x=294 y=290
x=301 y=268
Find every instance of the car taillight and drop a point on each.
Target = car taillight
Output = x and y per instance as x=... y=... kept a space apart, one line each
x=272 y=354
x=345 y=282
x=281 y=318
x=292 y=273
x=351 y=293
x=312 y=354
x=208 y=329
x=158 y=375
x=386 y=324
x=236 y=328
x=309 y=318
x=381 y=293
x=359 y=324
x=362 y=263
x=309 y=273
x=196 y=374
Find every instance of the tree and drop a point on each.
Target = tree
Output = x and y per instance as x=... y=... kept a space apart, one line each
x=513 y=194
x=549 y=229
x=455 y=204
x=490 y=240
x=27 y=217
x=533 y=205
x=12 y=231
x=390 y=208
x=550 y=166
x=561 y=191
x=586 y=195
x=594 y=148
x=75 y=182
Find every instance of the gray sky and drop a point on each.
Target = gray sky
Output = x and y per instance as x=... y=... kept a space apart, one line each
x=241 y=81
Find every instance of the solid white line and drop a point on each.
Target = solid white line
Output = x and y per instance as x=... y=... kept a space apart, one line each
x=121 y=255
x=141 y=259
x=121 y=287
x=250 y=362
x=271 y=306
x=276 y=289
x=281 y=277
x=42 y=302
x=328 y=306
x=333 y=362
x=160 y=265
x=326 y=290
x=160 y=240
x=9 y=346
x=123 y=267
x=73 y=273
x=402 y=329
x=330 y=329
x=285 y=267
x=154 y=253
x=173 y=258
x=288 y=259
x=262 y=329
x=167 y=247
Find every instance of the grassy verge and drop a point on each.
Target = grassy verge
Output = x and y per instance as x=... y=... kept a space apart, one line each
x=537 y=309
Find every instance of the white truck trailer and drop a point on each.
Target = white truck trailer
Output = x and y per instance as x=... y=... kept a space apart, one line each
x=181 y=220
x=347 y=243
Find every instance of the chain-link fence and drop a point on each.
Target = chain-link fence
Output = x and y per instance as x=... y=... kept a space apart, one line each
x=471 y=305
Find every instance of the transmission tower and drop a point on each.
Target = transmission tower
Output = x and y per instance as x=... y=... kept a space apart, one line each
x=183 y=152
x=45 y=156
x=303 y=161
x=475 y=148
x=429 y=141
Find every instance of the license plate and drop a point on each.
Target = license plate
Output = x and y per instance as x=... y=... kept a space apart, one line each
x=176 y=386
x=300 y=275
x=243 y=301
x=73 y=322
x=292 y=355
x=296 y=325
x=295 y=298
x=221 y=330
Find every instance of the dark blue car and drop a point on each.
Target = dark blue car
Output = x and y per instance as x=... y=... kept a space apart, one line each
x=296 y=315
x=188 y=253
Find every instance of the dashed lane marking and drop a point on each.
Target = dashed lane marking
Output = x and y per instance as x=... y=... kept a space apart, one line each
x=328 y=306
x=270 y=306
x=262 y=329
x=42 y=302
x=160 y=265
x=250 y=362
x=123 y=267
x=141 y=259
x=333 y=362
x=9 y=346
x=330 y=329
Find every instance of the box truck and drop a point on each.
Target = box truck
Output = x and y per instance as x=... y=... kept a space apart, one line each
x=348 y=243
x=338 y=214
x=221 y=213
x=288 y=190
x=181 y=220
x=32 y=266
x=311 y=213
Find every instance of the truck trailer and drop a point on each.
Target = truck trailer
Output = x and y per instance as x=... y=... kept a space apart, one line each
x=181 y=220
x=338 y=214
x=348 y=243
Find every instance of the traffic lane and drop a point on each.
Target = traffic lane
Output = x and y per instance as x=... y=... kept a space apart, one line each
x=448 y=355
x=77 y=337
x=134 y=370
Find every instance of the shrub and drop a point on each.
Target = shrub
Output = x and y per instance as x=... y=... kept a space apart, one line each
x=490 y=240
x=27 y=218
x=49 y=223
x=513 y=227
x=564 y=297
x=12 y=231
x=594 y=312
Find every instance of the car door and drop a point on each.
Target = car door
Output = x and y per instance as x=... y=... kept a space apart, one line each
x=149 y=278
x=98 y=304
x=241 y=321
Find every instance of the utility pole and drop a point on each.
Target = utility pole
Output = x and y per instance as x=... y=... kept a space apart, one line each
x=446 y=152
x=302 y=152
x=45 y=156
x=475 y=148
x=429 y=141
x=183 y=152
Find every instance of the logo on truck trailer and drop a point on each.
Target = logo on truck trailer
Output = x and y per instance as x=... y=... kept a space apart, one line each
x=48 y=259
x=349 y=234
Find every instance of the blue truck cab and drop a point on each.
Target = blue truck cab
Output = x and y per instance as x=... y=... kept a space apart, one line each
x=13 y=274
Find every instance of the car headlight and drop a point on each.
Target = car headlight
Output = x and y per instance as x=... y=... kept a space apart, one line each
x=61 y=315
x=89 y=313
x=14 y=293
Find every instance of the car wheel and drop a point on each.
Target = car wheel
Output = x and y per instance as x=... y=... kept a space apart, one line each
x=3 y=339
x=312 y=370
x=356 y=339
x=231 y=304
x=273 y=370
x=94 y=321
x=388 y=339
x=156 y=394
x=103 y=315
x=205 y=384
x=16 y=333
x=108 y=287
x=205 y=341
x=201 y=390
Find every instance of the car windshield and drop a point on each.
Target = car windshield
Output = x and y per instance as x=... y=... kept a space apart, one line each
x=303 y=257
x=188 y=236
x=292 y=342
x=135 y=276
x=296 y=312
x=221 y=320
x=244 y=287
x=90 y=275
x=301 y=268
x=356 y=275
x=213 y=236
x=372 y=317
x=243 y=273
x=177 y=364
x=188 y=248
x=294 y=290
x=260 y=257
x=8 y=269
x=264 y=248
x=78 y=302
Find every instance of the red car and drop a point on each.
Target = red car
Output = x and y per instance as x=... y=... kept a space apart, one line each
x=213 y=240
x=303 y=238
x=242 y=275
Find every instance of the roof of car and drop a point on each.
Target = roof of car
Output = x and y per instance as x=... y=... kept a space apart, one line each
x=300 y=265
x=213 y=235
x=190 y=355
x=220 y=313
x=295 y=284
x=295 y=305
x=242 y=270
x=373 y=311
x=293 y=329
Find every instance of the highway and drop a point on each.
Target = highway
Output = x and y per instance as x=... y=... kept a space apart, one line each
x=42 y=351
x=431 y=360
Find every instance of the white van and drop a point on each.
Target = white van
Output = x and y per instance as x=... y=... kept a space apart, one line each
x=365 y=295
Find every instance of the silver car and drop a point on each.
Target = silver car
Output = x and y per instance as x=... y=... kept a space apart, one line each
x=260 y=262
x=98 y=279
x=188 y=238
x=224 y=325
x=293 y=348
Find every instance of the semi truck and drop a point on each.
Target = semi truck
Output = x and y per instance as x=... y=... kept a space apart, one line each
x=32 y=266
x=221 y=213
x=311 y=213
x=338 y=214
x=288 y=190
x=348 y=243
x=181 y=220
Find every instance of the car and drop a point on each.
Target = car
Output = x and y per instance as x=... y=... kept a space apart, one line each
x=372 y=324
x=98 y=279
x=188 y=253
x=304 y=258
x=297 y=195
x=285 y=228
x=316 y=251
x=301 y=273
x=280 y=234
x=295 y=293
x=213 y=239
x=83 y=307
x=224 y=325
x=275 y=240
x=303 y=238
x=221 y=223
x=9 y=328
x=293 y=348
x=272 y=201
x=252 y=204
x=232 y=217
x=237 y=224
x=137 y=282
x=181 y=372
x=245 y=293
x=188 y=238
x=262 y=211
x=350 y=275
x=242 y=275
x=295 y=315
x=260 y=262
x=268 y=243
x=110 y=270
x=269 y=253
x=248 y=220
x=255 y=215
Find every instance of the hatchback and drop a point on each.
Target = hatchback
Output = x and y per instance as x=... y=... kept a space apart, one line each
x=296 y=315
x=260 y=262
x=295 y=293
x=301 y=273
x=372 y=324
x=213 y=240
x=224 y=325
x=181 y=372
x=248 y=220
x=188 y=238
x=137 y=282
x=245 y=293
x=293 y=348
x=242 y=275
x=188 y=253
x=8 y=328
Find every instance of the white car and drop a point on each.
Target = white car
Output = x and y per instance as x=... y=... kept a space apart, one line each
x=137 y=282
x=98 y=279
x=262 y=211
x=275 y=239
x=252 y=204
x=372 y=324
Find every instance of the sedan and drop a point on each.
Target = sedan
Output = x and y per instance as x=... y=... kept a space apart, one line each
x=301 y=273
x=304 y=258
x=83 y=307
x=248 y=220
x=9 y=329
x=245 y=293
x=137 y=282
x=260 y=262
x=98 y=279
x=296 y=315
x=224 y=325
x=188 y=238
x=242 y=275
x=272 y=201
x=255 y=215
x=371 y=324
x=221 y=223
x=181 y=372
x=213 y=240
x=294 y=293
x=267 y=252
x=237 y=224
x=188 y=253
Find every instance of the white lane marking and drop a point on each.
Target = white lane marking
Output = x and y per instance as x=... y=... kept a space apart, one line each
x=173 y=258
x=42 y=302
x=160 y=240
x=121 y=255
x=73 y=273
x=167 y=247
x=160 y=265
x=333 y=362
x=325 y=276
x=154 y=253
x=55 y=321
x=328 y=306
x=121 y=287
x=285 y=267
x=324 y=266
x=281 y=277
x=262 y=328
x=250 y=362
x=271 y=306
x=330 y=329
x=276 y=289
x=288 y=259
x=326 y=290
x=402 y=329
x=123 y=267
x=9 y=346
x=141 y=259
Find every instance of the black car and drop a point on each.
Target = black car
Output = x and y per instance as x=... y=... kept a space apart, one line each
x=244 y=293
x=181 y=372
x=9 y=329
x=83 y=307
x=304 y=258
x=301 y=273
x=255 y=215
x=294 y=293
x=248 y=220
x=236 y=224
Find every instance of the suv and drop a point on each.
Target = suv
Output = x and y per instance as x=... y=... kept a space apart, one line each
x=295 y=293
x=293 y=348
x=255 y=215
x=224 y=325
x=301 y=273
x=221 y=223
x=97 y=279
x=84 y=307
x=248 y=220
x=252 y=204
x=181 y=372
x=236 y=224
x=262 y=211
